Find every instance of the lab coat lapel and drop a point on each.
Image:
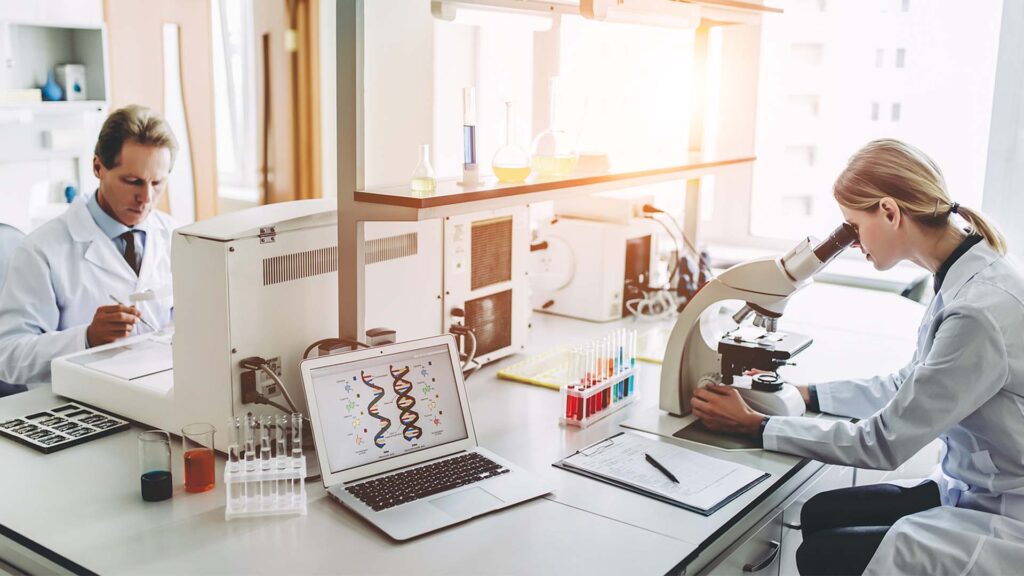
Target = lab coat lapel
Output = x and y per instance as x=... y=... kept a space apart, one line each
x=979 y=257
x=101 y=251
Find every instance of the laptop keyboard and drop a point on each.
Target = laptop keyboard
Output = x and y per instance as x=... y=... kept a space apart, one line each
x=390 y=491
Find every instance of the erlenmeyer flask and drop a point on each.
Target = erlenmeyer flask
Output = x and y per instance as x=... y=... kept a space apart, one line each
x=423 y=180
x=553 y=154
x=511 y=163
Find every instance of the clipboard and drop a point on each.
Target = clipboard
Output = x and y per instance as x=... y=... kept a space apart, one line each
x=706 y=483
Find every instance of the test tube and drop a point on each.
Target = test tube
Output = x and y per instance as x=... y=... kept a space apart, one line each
x=283 y=486
x=234 y=463
x=632 y=357
x=266 y=486
x=250 y=457
x=296 y=440
x=234 y=430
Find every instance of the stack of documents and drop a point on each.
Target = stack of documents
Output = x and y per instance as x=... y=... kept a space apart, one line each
x=704 y=485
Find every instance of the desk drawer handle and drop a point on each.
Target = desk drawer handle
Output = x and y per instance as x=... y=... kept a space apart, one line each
x=773 y=553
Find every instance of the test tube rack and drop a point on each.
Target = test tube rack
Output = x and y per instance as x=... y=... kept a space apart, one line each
x=601 y=379
x=275 y=492
x=265 y=478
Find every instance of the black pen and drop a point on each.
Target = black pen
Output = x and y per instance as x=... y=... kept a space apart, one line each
x=660 y=468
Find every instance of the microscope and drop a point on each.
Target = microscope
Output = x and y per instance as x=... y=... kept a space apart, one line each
x=711 y=344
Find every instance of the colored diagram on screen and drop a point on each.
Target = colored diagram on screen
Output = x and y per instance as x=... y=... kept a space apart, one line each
x=392 y=409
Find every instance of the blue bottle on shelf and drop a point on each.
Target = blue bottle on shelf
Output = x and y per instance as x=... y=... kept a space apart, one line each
x=52 y=92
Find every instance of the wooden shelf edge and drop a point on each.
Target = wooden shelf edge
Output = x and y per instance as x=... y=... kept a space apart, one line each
x=737 y=5
x=503 y=191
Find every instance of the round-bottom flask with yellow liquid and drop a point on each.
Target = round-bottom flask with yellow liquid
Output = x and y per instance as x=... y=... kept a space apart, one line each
x=511 y=163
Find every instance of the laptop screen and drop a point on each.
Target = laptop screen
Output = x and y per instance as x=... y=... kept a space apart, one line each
x=381 y=407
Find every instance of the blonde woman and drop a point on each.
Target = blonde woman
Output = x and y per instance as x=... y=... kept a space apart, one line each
x=965 y=383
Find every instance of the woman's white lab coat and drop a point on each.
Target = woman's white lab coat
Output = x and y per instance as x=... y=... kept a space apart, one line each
x=947 y=540
x=964 y=385
x=59 y=275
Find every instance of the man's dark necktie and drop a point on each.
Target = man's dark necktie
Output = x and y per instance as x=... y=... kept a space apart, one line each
x=130 y=255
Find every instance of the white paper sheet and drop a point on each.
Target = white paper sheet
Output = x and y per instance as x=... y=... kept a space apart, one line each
x=134 y=360
x=704 y=482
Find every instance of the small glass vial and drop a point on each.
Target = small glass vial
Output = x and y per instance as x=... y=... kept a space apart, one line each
x=423 y=180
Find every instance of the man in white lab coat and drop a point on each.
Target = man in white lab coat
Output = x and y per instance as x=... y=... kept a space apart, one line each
x=66 y=278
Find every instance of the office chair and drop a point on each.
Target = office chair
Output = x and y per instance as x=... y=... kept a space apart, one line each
x=10 y=237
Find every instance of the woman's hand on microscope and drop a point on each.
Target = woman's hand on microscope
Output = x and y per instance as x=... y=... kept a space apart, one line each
x=721 y=409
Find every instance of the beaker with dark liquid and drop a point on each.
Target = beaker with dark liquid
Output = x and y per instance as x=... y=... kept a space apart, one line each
x=155 y=465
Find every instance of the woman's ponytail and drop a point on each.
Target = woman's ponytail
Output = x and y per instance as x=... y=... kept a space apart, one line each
x=980 y=225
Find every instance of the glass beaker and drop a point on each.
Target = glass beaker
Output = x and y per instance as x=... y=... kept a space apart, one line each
x=423 y=179
x=200 y=461
x=511 y=163
x=155 y=465
x=553 y=151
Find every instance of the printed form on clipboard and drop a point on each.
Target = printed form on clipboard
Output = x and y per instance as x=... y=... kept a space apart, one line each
x=705 y=483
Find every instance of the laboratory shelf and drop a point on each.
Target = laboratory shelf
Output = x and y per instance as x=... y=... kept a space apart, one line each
x=452 y=197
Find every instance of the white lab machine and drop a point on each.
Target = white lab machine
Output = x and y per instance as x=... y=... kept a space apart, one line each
x=401 y=268
x=589 y=269
x=485 y=279
x=261 y=283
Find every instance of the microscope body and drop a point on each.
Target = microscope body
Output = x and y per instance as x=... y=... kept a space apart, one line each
x=712 y=344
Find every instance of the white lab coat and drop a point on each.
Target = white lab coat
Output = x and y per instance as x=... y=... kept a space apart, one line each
x=947 y=540
x=965 y=385
x=58 y=277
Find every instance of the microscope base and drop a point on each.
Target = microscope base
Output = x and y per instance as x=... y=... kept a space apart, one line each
x=785 y=402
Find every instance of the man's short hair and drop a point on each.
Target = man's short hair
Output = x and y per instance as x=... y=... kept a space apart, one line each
x=138 y=124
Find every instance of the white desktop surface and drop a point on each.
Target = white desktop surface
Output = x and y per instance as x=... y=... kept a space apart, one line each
x=83 y=505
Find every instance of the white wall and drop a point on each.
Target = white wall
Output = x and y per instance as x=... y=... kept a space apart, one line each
x=1004 y=180
x=398 y=88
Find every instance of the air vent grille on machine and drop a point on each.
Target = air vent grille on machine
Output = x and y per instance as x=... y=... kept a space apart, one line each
x=490 y=318
x=491 y=252
x=390 y=248
x=300 y=265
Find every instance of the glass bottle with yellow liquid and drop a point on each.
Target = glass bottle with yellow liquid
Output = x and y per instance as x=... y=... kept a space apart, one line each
x=554 y=154
x=511 y=163
x=423 y=180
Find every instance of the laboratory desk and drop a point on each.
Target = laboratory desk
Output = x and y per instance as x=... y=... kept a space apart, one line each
x=79 y=509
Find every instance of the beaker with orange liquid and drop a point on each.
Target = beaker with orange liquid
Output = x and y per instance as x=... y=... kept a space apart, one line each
x=200 y=461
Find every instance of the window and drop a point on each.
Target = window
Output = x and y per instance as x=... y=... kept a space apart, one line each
x=806 y=54
x=950 y=89
x=235 y=99
x=614 y=78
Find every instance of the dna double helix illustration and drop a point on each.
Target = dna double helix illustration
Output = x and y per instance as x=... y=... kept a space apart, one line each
x=378 y=393
x=405 y=403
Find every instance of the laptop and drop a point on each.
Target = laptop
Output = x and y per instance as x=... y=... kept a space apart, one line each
x=395 y=439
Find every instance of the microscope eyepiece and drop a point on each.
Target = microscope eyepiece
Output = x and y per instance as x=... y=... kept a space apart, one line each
x=837 y=241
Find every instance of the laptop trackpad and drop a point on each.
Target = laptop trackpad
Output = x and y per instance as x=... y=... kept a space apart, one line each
x=468 y=503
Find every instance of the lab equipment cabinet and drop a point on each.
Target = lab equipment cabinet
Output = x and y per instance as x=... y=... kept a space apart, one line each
x=759 y=551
